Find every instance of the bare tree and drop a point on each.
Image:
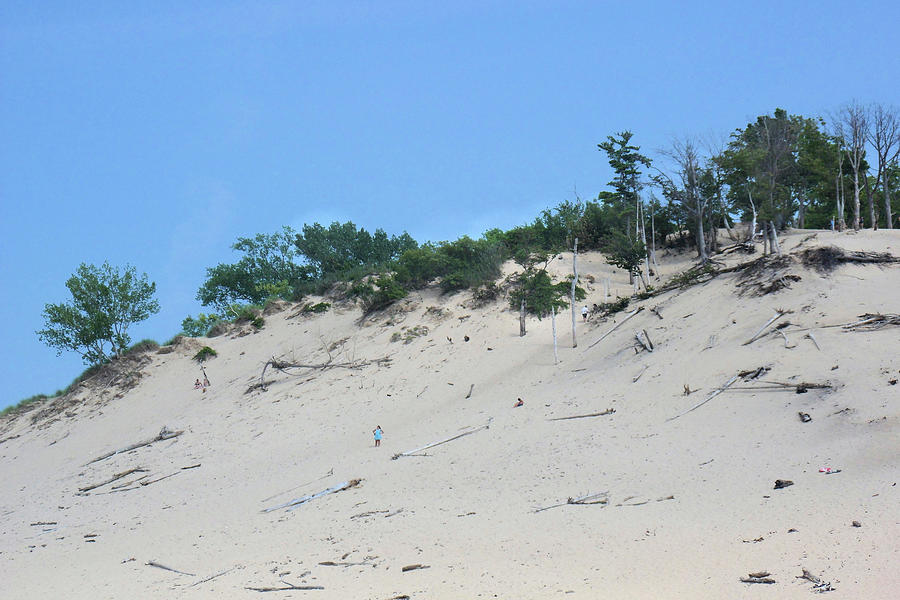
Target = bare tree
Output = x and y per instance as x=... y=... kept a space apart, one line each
x=852 y=126
x=884 y=136
x=685 y=154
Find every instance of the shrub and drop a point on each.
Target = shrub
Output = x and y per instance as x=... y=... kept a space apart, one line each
x=316 y=308
x=205 y=353
x=22 y=404
x=611 y=308
x=248 y=313
x=201 y=325
x=386 y=292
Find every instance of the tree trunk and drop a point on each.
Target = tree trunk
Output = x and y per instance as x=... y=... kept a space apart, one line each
x=522 y=318
x=773 y=242
x=574 y=284
x=701 y=242
x=873 y=219
x=856 y=223
x=653 y=243
x=839 y=193
x=889 y=224
x=553 y=321
x=752 y=233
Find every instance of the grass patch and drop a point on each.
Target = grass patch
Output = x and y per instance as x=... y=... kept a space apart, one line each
x=316 y=308
x=408 y=335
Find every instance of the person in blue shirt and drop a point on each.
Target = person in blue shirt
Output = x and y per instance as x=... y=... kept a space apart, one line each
x=377 y=432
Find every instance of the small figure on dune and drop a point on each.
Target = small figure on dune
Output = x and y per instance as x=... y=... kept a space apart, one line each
x=197 y=385
x=518 y=403
x=584 y=313
x=378 y=433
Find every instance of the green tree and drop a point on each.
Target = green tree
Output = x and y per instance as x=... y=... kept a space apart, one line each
x=269 y=265
x=105 y=302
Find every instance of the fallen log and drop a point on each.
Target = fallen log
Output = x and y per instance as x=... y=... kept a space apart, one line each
x=291 y=505
x=638 y=376
x=622 y=322
x=872 y=322
x=415 y=567
x=283 y=367
x=712 y=395
x=145 y=483
x=444 y=441
x=589 y=499
x=608 y=411
x=153 y=563
x=164 y=434
x=115 y=477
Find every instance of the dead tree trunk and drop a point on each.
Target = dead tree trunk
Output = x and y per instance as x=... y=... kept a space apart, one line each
x=574 y=284
x=553 y=322
x=773 y=242
x=522 y=318
x=873 y=219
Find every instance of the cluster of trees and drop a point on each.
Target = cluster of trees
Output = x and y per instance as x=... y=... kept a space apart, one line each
x=778 y=171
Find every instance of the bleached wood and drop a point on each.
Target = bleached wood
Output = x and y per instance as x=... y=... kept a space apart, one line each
x=608 y=411
x=574 y=284
x=712 y=395
x=764 y=327
x=163 y=435
x=153 y=563
x=622 y=322
x=444 y=441
x=115 y=477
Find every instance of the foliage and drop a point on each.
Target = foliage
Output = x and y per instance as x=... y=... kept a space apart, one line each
x=541 y=295
x=611 y=308
x=204 y=354
x=342 y=246
x=105 y=302
x=379 y=294
x=248 y=313
x=625 y=253
x=268 y=267
x=316 y=308
x=23 y=404
x=200 y=326
x=409 y=334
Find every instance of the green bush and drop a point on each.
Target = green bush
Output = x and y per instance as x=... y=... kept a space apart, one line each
x=611 y=308
x=386 y=292
x=248 y=313
x=316 y=308
x=205 y=353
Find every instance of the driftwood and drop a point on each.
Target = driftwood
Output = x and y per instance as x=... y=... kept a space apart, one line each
x=622 y=322
x=759 y=334
x=644 y=340
x=470 y=431
x=325 y=476
x=190 y=467
x=144 y=483
x=799 y=388
x=291 y=505
x=872 y=322
x=608 y=411
x=414 y=567
x=115 y=477
x=712 y=395
x=284 y=366
x=638 y=376
x=211 y=577
x=469 y=395
x=810 y=335
x=601 y=498
x=760 y=577
x=285 y=588
x=153 y=563
x=818 y=585
x=164 y=434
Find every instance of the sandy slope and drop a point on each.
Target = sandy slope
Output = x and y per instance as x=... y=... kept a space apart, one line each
x=466 y=509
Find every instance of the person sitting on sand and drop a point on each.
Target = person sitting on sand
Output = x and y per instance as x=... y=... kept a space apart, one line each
x=377 y=432
x=584 y=313
x=197 y=385
x=518 y=403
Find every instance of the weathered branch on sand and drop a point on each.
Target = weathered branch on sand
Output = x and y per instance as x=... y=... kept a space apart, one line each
x=284 y=366
x=810 y=335
x=712 y=395
x=608 y=411
x=291 y=505
x=779 y=313
x=285 y=588
x=638 y=376
x=153 y=563
x=644 y=340
x=601 y=498
x=622 y=322
x=164 y=434
x=818 y=585
x=415 y=567
x=211 y=577
x=470 y=431
x=115 y=477
x=761 y=577
x=872 y=321
x=469 y=395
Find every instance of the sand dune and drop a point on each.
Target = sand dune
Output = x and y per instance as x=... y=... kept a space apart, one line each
x=689 y=502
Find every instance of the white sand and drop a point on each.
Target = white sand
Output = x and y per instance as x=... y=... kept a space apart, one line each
x=466 y=509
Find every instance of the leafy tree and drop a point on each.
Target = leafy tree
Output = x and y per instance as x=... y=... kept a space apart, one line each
x=201 y=325
x=105 y=302
x=625 y=253
x=626 y=161
x=342 y=247
x=268 y=267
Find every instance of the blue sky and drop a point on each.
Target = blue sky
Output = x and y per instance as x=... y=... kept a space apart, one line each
x=155 y=133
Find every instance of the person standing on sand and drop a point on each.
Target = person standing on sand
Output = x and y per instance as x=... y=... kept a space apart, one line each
x=377 y=432
x=584 y=313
